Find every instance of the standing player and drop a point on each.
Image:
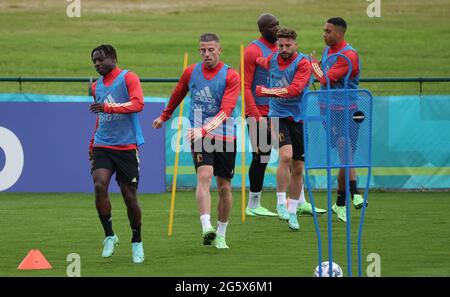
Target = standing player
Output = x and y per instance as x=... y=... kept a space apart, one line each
x=257 y=108
x=114 y=145
x=214 y=89
x=290 y=73
x=336 y=70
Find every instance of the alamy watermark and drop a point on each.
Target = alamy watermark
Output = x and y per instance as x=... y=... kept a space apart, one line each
x=374 y=268
x=374 y=8
x=218 y=139
x=74 y=268
x=73 y=8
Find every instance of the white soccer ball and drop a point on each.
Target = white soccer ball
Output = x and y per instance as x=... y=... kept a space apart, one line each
x=336 y=270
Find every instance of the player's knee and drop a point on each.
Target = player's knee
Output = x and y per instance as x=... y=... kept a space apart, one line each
x=129 y=196
x=204 y=178
x=100 y=187
x=260 y=158
x=256 y=158
x=131 y=201
x=285 y=158
x=297 y=170
x=224 y=189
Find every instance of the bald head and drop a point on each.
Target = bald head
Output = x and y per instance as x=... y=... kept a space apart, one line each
x=268 y=25
x=265 y=19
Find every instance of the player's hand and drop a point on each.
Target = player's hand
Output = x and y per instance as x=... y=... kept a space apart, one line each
x=265 y=90
x=157 y=123
x=312 y=57
x=260 y=61
x=262 y=91
x=317 y=71
x=194 y=134
x=97 y=107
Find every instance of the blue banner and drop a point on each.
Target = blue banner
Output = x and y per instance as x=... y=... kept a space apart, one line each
x=44 y=147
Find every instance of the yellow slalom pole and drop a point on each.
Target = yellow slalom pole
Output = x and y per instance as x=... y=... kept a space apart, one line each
x=243 y=172
x=177 y=154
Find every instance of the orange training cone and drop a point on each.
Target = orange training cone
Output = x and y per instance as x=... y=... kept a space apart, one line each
x=34 y=260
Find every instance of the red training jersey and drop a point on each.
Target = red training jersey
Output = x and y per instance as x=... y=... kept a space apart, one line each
x=229 y=98
x=340 y=68
x=251 y=53
x=301 y=78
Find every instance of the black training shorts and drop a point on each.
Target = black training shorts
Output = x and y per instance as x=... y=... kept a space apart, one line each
x=290 y=133
x=217 y=153
x=125 y=163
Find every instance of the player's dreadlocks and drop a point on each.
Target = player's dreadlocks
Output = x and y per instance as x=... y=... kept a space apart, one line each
x=107 y=49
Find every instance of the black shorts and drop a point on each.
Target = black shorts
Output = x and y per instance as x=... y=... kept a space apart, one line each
x=125 y=163
x=262 y=148
x=217 y=153
x=290 y=133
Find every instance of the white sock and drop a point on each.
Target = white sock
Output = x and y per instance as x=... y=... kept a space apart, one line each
x=302 y=199
x=206 y=222
x=281 y=198
x=254 y=199
x=292 y=205
x=221 y=228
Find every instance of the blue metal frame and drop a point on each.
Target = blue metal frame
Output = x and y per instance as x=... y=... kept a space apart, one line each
x=328 y=92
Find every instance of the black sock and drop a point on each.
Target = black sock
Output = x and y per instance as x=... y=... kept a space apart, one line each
x=353 y=188
x=107 y=225
x=136 y=234
x=340 y=201
x=256 y=173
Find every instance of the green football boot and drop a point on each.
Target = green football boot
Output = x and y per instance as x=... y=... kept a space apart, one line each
x=109 y=244
x=358 y=201
x=282 y=212
x=340 y=212
x=137 y=252
x=306 y=208
x=220 y=242
x=259 y=212
x=293 y=222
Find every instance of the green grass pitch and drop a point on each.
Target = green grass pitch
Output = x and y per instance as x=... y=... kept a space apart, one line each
x=410 y=232
x=410 y=39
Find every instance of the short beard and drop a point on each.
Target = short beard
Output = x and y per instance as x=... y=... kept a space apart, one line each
x=287 y=58
x=270 y=38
